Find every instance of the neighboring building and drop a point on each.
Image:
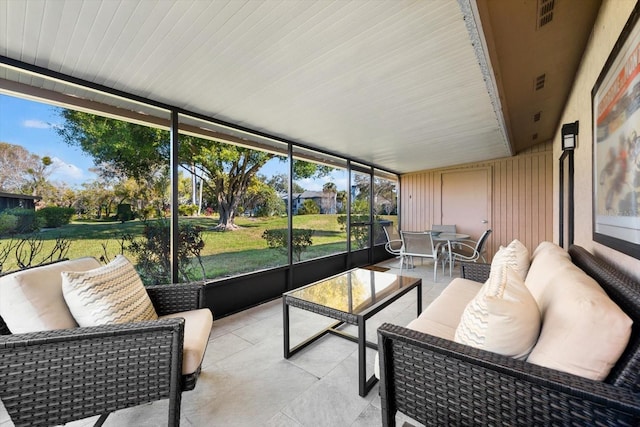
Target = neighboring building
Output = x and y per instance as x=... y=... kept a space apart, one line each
x=11 y=200
x=326 y=201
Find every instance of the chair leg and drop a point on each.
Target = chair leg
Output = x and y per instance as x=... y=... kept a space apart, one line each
x=435 y=269
x=101 y=420
x=174 y=410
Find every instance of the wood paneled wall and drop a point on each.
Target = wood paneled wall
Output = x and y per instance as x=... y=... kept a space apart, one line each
x=522 y=193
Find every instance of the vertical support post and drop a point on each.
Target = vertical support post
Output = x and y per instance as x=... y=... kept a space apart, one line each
x=348 y=221
x=570 y=199
x=372 y=224
x=290 y=218
x=567 y=154
x=173 y=165
x=561 y=200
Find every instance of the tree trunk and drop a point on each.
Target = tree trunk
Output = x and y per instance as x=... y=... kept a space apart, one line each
x=227 y=213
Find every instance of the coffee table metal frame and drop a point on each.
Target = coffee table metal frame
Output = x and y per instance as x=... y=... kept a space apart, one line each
x=359 y=320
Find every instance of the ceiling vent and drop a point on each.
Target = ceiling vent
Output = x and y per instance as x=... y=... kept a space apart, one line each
x=545 y=12
x=540 y=81
x=536 y=116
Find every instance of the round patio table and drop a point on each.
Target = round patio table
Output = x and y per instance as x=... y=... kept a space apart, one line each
x=448 y=237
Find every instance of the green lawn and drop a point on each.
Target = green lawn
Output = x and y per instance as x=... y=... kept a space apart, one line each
x=225 y=253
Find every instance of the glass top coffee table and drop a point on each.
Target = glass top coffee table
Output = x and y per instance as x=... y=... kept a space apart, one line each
x=351 y=297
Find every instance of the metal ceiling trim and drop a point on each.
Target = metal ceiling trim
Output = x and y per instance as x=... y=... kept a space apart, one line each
x=471 y=17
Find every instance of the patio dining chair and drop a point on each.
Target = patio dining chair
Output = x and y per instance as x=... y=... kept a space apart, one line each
x=444 y=228
x=418 y=245
x=468 y=250
x=394 y=240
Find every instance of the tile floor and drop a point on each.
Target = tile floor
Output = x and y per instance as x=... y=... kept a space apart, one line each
x=245 y=380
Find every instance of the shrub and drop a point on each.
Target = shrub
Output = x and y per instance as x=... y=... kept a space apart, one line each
x=148 y=212
x=309 y=207
x=187 y=210
x=8 y=223
x=277 y=239
x=359 y=228
x=124 y=212
x=153 y=251
x=27 y=221
x=54 y=216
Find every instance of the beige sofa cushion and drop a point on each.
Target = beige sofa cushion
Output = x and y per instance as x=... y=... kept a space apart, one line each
x=548 y=261
x=442 y=316
x=31 y=300
x=507 y=322
x=111 y=293
x=197 y=327
x=583 y=332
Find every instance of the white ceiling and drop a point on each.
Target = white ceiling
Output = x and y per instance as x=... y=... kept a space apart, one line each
x=403 y=85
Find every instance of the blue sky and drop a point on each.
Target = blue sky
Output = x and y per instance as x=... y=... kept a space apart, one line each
x=32 y=125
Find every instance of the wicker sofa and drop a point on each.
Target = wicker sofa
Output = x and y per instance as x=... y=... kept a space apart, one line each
x=51 y=377
x=436 y=381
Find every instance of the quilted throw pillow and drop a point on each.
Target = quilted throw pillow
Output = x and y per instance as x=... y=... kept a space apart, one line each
x=112 y=293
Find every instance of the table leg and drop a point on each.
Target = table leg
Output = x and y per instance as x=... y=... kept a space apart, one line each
x=362 y=356
x=285 y=321
x=419 y=302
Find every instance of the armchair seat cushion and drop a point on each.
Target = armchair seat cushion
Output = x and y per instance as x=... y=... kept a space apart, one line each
x=197 y=327
x=31 y=300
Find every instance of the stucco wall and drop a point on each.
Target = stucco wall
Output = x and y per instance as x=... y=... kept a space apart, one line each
x=611 y=19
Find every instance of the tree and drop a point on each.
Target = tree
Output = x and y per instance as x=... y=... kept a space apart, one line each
x=142 y=152
x=261 y=199
x=20 y=170
x=227 y=170
x=132 y=149
x=329 y=200
x=280 y=183
x=38 y=175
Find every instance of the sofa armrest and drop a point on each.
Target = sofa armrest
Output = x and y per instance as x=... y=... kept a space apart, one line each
x=53 y=377
x=440 y=382
x=476 y=271
x=174 y=298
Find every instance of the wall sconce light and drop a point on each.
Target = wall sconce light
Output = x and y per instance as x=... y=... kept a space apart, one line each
x=569 y=135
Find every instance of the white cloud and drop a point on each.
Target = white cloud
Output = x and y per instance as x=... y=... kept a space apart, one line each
x=63 y=171
x=36 y=124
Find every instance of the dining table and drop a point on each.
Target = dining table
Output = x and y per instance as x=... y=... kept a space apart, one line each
x=447 y=238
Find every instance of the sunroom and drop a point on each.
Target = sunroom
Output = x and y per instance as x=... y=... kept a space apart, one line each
x=410 y=113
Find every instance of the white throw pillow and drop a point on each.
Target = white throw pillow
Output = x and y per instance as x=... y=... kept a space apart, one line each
x=520 y=259
x=506 y=322
x=31 y=300
x=516 y=256
x=112 y=293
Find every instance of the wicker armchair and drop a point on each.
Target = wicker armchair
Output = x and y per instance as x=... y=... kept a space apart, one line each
x=440 y=382
x=53 y=377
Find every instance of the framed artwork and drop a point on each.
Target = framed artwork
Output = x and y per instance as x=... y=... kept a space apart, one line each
x=616 y=144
